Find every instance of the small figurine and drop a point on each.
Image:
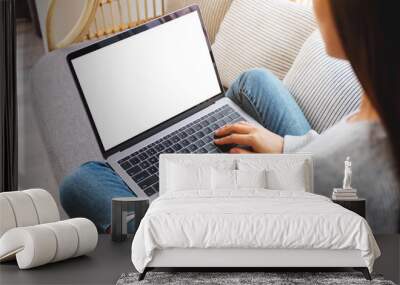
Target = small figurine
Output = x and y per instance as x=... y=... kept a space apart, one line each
x=346 y=192
x=347 y=174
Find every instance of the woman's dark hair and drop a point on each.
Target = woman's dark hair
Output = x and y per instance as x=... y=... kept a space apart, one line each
x=369 y=32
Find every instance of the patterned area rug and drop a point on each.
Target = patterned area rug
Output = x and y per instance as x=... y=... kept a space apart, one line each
x=243 y=278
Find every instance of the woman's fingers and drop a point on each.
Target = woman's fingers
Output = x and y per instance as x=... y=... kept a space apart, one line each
x=259 y=139
x=239 y=150
x=239 y=128
x=242 y=139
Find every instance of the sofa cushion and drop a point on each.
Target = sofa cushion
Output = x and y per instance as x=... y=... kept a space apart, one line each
x=213 y=11
x=325 y=88
x=261 y=33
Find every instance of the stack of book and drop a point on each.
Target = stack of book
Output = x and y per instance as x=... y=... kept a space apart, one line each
x=344 y=194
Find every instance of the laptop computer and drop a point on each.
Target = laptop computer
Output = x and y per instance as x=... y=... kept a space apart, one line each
x=150 y=90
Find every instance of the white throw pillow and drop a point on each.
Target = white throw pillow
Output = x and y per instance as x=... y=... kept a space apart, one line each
x=179 y=172
x=293 y=180
x=325 y=88
x=183 y=178
x=226 y=179
x=223 y=179
x=261 y=33
x=283 y=174
x=251 y=178
x=213 y=11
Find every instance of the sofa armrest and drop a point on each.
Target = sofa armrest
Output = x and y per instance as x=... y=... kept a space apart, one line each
x=62 y=120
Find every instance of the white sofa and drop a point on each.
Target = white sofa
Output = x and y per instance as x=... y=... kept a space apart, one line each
x=273 y=34
x=31 y=231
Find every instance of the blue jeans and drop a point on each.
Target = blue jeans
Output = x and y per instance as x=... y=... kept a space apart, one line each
x=88 y=191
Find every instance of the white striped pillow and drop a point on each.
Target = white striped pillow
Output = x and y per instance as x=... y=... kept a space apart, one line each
x=261 y=33
x=326 y=89
x=213 y=11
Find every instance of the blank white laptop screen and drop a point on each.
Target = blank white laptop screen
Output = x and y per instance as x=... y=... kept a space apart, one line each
x=137 y=83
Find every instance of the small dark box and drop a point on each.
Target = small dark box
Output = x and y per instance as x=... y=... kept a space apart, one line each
x=126 y=216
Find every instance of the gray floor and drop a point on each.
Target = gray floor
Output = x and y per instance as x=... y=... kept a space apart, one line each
x=110 y=259
x=34 y=166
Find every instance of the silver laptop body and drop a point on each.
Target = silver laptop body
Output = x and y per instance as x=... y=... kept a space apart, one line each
x=150 y=90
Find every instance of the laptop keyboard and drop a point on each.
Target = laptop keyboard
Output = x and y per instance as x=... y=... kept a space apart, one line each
x=196 y=137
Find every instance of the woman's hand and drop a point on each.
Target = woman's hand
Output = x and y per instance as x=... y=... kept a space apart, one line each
x=243 y=133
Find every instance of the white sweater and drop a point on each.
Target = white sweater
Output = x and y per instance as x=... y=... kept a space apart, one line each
x=373 y=169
